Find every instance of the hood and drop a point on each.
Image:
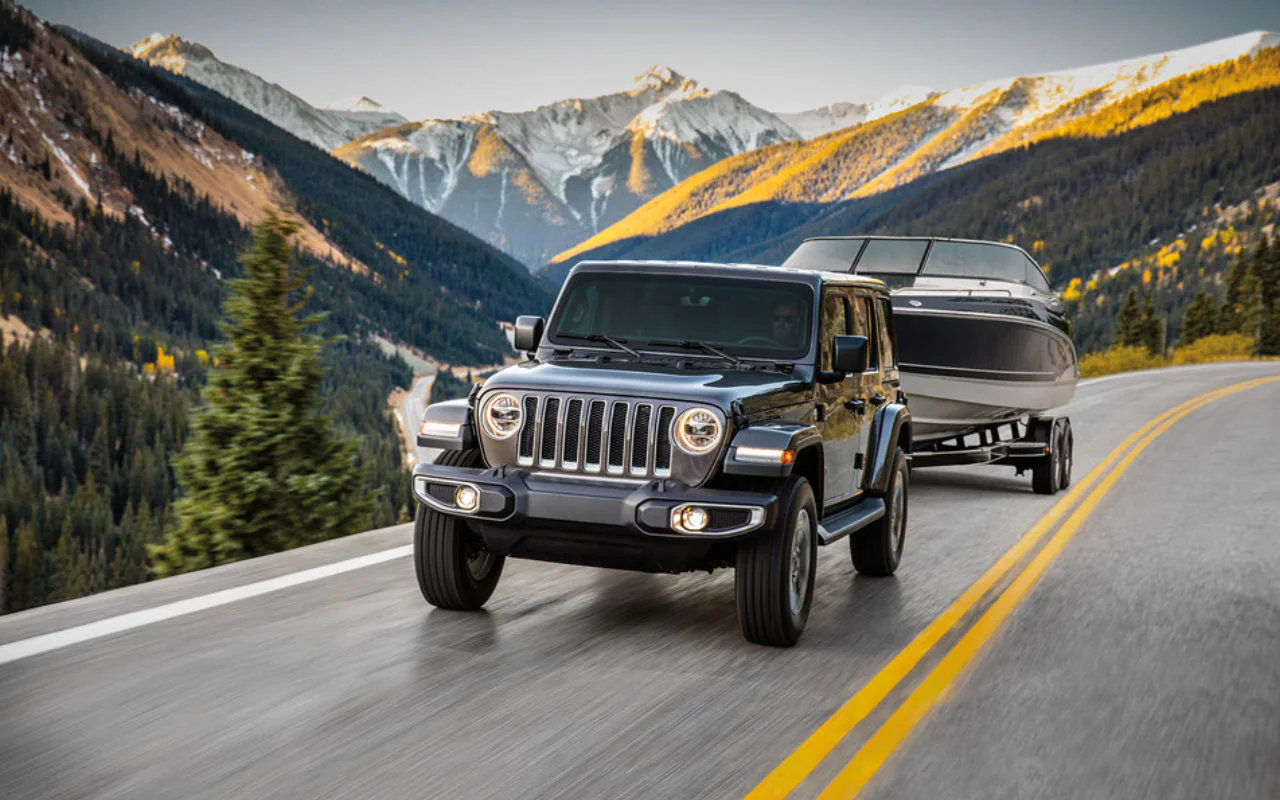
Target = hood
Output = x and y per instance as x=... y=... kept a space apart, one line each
x=716 y=385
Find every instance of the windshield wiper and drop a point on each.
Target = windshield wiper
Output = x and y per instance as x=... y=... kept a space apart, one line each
x=601 y=338
x=689 y=344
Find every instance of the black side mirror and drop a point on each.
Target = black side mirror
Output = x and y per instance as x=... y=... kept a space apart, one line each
x=850 y=354
x=528 y=332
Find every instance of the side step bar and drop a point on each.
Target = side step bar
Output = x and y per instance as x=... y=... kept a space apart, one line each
x=847 y=522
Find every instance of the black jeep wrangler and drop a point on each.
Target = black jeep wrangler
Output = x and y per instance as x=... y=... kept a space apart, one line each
x=675 y=417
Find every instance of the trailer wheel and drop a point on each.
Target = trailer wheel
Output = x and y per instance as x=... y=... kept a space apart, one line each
x=1066 y=457
x=454 y=568
x=1049 y=470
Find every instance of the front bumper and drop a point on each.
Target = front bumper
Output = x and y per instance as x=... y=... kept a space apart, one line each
x=512 y=498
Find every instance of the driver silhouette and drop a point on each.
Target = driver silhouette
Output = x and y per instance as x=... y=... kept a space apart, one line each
x=786 y=321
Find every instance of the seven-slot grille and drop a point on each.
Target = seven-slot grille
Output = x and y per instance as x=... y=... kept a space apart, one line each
x=612 y=437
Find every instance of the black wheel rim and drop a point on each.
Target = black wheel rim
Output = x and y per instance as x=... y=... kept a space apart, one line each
x=479 y=561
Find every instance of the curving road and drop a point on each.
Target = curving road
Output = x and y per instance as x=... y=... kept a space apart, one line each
x=1143 y=662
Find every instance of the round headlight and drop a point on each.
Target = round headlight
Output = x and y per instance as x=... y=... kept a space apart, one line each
x=697 y=431
x=501 y=416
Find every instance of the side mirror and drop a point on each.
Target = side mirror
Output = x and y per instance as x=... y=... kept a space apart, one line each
x=528 y=332
x=850 y=354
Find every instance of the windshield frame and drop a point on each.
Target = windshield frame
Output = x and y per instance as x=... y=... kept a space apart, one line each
x=550 y=339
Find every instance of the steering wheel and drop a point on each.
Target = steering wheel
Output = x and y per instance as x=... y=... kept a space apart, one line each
x=766 y=341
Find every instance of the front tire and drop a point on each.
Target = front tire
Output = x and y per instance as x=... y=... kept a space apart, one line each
x=776 y=569
x=877 y=548
x=454 y=569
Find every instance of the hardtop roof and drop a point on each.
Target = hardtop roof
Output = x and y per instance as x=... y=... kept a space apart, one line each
x=959 y=239
x=811 y=276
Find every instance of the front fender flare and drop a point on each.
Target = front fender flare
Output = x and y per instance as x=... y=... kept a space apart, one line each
x=776 y=435
x=450 y=412
x=891 y=425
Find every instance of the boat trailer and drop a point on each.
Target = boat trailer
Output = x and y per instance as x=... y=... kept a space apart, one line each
x=1042 y=445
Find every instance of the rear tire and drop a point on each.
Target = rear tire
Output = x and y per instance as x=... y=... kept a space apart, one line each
x=454 y=569
x=776 y=569
x=877 y=549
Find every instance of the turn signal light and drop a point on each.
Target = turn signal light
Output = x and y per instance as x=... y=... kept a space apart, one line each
x=764 y=455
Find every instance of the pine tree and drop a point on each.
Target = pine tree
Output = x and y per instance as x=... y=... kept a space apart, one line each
x=4 y=560
x=62 y=576
x=1231 y=320
x=263 y=470
x=1269 y=272
x=1129 y=322
x=1252 y=311
x=25 y=590
x=1150 y=327
x=1200 y=320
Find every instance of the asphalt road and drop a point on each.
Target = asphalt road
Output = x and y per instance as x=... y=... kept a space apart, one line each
x=1144 y=663
x=410 y=416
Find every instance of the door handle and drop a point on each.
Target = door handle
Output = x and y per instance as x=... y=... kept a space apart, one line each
x=856 y=404
x=879 y=400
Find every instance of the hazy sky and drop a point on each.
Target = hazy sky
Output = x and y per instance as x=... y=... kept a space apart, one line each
x=441 y=59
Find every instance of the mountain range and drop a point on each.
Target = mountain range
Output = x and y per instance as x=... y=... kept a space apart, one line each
x=942 y=131
x=533 y=181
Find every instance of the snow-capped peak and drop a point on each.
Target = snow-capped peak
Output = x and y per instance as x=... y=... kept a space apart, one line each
x=658 y=77
x=171 y=47
x=359 y=104
x=328 y=129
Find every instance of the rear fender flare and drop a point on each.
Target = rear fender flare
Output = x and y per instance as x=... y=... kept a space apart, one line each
x=891 y=426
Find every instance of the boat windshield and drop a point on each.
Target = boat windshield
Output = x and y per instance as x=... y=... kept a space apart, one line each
x=983 y=261
x=827 y=255
x=892 y=257
x=741 y=316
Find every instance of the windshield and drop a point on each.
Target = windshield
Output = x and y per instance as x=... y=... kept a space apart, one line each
x=892 y=257
x=829 y=255
x=976 y=260
x=742 y=316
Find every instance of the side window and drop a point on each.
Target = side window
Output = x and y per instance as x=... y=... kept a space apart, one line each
x=863 y=322
x=888 y=339
x=834 y=322
x=1036 y=278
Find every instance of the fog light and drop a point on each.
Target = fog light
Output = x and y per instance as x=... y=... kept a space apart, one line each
x=694 y=519
x=466 y=498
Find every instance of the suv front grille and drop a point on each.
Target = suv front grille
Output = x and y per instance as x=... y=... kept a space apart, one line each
x=584 y=435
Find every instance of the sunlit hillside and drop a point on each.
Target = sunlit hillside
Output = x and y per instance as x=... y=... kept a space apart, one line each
x=939 y=134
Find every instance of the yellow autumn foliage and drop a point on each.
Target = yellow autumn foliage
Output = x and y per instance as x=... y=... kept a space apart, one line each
x=1072 y=292
x=1216 y=347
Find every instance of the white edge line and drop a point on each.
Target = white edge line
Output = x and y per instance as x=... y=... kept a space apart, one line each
x=25 y=648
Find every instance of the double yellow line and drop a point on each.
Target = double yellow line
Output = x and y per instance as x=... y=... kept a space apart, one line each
x=877 y=750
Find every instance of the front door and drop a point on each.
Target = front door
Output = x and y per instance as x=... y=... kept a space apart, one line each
x=839 y=422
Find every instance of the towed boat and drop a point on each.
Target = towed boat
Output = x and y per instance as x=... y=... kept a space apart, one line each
x=982 y=339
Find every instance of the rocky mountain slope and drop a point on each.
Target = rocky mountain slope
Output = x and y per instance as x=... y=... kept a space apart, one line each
x=326 y=128
x=537 y=181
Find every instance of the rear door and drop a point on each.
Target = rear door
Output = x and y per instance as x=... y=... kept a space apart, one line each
x=866 y=387
x=838 y=422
